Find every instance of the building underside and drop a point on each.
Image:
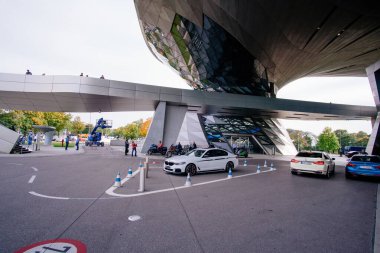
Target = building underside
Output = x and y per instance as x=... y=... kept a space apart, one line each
x=256 y=47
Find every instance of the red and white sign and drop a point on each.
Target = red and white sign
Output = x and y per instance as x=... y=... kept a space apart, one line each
x=55 y=246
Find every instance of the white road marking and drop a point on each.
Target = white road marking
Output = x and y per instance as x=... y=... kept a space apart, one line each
x=111 y=192
x=18 y=164
x=134 y=218
x=32 y=179
x=34 y=168
x=65 y=198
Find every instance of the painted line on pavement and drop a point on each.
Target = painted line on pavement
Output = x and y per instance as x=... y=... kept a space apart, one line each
x=18 y=164
x=376 y=239
x=111 y=190
x=34 y=168
x=64 y=198
x=32 y=179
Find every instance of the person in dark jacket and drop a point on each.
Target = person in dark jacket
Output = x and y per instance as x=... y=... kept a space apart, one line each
x=126 y=147
x=67 y=142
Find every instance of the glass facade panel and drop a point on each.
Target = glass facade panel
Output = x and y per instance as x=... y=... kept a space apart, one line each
x=208 y=57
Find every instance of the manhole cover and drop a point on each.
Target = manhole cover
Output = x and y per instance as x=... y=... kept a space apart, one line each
x=134 y=218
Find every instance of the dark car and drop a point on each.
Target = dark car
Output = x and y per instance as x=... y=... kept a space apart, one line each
x=352 y=153
x=363 y=165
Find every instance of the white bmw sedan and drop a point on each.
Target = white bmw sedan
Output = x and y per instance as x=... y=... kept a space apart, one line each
x=314 y=162
x=201 y=160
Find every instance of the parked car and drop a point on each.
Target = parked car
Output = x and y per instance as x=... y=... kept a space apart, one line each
x=352 y=153
x=315 y=162
x=363 y=165
x=201 y=160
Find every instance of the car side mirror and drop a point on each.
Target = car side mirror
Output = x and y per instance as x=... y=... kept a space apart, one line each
x=332 y=158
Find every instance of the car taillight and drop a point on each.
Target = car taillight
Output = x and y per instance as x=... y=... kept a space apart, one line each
x=350 y=165
x=319 y=163
x=377 y=167
x=294 y=161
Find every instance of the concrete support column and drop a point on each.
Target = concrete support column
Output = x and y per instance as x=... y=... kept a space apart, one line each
x=156 y=129
x=49 y=137
x=373 y=73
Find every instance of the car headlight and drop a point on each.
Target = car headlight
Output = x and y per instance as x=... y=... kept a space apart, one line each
x=181 y=163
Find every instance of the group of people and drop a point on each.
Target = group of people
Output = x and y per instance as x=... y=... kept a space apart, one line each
x=134 y=148
x=81 y=74
x=67 y=141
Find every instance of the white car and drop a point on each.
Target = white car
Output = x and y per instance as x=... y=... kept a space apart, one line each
x=200 y=160
x=314 y=162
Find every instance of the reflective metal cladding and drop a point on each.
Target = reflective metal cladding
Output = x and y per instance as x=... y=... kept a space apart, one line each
x=208 y=57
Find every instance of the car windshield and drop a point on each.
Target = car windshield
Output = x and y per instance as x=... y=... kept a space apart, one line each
x=195 y=152
x=309 y=154
x=371 y=159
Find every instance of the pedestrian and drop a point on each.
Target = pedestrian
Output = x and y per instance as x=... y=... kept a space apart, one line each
x=134 y=146
x=77 y=142
x=28 y=72
x=102 y=77
x=126 y=147
x=179 y=148
x=62 y=142
x=67 y=142
x=43 y=74
x=194 y=145
x=30 y=138
x=86 y=75
x=81 y=74
x=234 y=147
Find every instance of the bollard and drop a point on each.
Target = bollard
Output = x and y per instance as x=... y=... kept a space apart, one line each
x=146 y=166
x=265 y=163
x=245 y=162
x=229 y=173
x=129 y=172
x=258 y=169
x=271 y=166
x=142 y=180
x=188 y=180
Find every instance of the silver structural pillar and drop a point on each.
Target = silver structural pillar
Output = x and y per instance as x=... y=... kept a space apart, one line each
x=156 y=129
x=48 y=137
x=373 y=73
x=192 y=131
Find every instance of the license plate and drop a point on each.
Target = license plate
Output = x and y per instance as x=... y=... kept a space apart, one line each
x=304 y=162
x=366 y=167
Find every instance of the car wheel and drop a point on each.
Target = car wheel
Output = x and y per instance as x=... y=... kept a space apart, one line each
x=333 y=170
x=149 y=152
x=169 y=154
x=328 y=173
x=191 y=168
x=228 y=166
x=348 y=175
x=293 y=172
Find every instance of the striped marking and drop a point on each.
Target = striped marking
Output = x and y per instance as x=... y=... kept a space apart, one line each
x=64 y=198
x=32 y=179
x=111 y=192
x=34 y=168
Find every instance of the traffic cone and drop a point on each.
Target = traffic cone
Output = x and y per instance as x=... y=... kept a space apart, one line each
x=258 y=169
x=129 y=172
x=141 y=165
x=188 y=180
x=245 y=162
x=117 y=180
x=265 y=163
x=271 y=166
x=229 y=173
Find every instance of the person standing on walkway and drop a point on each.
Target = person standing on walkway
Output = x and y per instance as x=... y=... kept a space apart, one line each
x=126 y=147
x=77 y=142
x=67 y=142
x=134 y=146
x=28 y=72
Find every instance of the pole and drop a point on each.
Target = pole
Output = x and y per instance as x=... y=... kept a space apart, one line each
x=142 y=180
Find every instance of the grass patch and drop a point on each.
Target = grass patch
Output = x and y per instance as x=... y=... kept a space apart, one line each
x=59 y=144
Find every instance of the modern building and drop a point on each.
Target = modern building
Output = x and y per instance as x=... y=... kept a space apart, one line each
x=254 y=48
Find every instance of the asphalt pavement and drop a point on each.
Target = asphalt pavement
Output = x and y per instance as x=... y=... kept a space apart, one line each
x=259 y=212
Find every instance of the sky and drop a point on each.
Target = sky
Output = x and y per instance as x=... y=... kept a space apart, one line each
x=99 y=37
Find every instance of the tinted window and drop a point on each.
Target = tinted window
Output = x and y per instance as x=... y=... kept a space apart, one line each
x=222 y=153
x=372 y=159
x=309 y=154
x=197 y=152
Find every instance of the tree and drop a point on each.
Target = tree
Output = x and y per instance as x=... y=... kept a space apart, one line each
x=77 y=126
x=361 y=139
x=59 y=120
x=327 y=140
x=145 y=127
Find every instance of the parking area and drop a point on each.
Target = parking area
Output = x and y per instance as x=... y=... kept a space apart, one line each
x=270 y=211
